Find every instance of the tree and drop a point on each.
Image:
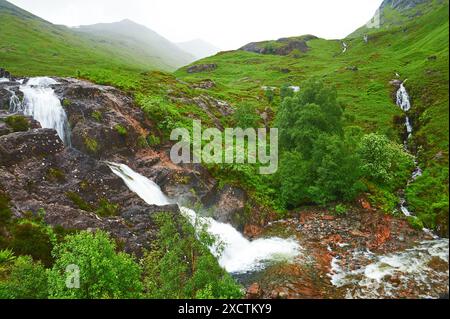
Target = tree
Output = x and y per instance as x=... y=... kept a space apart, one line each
x=286 y=91
x=246 y=117
x=317 y=164
x=21 y=278
x=103 y=273
x=269 y=94
x=383 y=161
x=180 y=264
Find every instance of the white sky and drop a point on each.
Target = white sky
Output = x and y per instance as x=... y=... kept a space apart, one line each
x=228 y=24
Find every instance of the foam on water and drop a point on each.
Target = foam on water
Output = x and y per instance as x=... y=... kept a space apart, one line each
x=235 y=253
x=410 y=268
x=41 y=102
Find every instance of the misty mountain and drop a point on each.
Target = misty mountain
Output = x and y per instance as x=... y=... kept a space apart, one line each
x=130 y=35
x=198 y=48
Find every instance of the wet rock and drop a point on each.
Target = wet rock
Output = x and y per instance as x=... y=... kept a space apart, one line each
x=205 y=85
x=227 y=205
x=252 y=231
x=5 y=74
x=283 y=46
x=396 y=83
x=254 y=292
x=36 y=143
x=103 y=120
x=202 y=68
x=352 y=68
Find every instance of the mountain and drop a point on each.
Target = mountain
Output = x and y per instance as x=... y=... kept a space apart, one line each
x=128 y=35
x=199 y=48
x=397 y=13
x=30 y=45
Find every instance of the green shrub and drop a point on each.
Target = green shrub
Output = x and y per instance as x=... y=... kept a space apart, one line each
x=121 y=130
x=104 y=273
x=18 y=123
x=340 y=210
x=66 y=102
x=55 y=175
x=97 y=115
x=180 y=264
x=79 y=202
x=91 y=144
x=5 y=210
x=33 y=239
x=153 y=140
x=105 y=208
x=22 y=279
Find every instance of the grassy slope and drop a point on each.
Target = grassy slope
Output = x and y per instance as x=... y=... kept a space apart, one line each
x=30 y=45
x=366 y=93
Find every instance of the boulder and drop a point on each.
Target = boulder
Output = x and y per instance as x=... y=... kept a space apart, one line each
x=202 y=68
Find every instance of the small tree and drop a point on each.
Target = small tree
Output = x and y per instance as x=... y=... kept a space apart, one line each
x=286 y=91
x=104 y=273
x=245 y=116
x=21 y=278
x=384 y=161
x=269 y=94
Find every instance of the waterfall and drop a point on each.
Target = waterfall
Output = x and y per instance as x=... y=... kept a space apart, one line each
x=371 y=279
x=15 y=105
x=403 y=98
x=41 y=102
x=403 y=101
x=344 y=47
x=238 y=254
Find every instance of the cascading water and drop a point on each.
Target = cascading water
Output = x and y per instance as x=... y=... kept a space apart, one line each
x=15 y=105
x=238 y=254
x=424 y=267
x=41 y=102
x=344 y=47
x=403 y=101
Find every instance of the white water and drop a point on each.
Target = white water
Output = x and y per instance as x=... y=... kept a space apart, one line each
x=344 y=47
x=235 y=253
x=403 y=101
x=403 y=98
x=41 y=102
x=14 y=102
x=2 y=80
x=410 y=268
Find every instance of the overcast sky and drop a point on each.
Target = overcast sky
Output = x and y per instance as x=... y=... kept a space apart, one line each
x=228 y=24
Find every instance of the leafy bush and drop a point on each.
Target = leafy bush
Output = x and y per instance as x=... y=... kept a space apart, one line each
x=384 y=161
x=91 y=144
x=5 y=211
x=21 y=278
x=79 y=202
x=33 y=239
x=18 y=123
x=105 y=208
x=245 y=116
x=97 y=115
x=317 y=163
x=104 y=273
x=121 y=130
x=180 y=264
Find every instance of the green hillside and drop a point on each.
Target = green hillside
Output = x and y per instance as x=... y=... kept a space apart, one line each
x=30 y=45
x=139 y=41
x=414 y=47
x=413 y=42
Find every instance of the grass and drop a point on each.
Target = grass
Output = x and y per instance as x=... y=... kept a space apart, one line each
x=401 y=46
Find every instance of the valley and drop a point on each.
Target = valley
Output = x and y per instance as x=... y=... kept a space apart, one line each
x=358 y=209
